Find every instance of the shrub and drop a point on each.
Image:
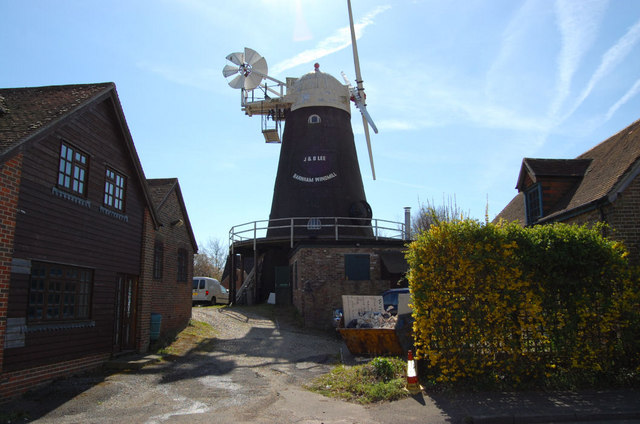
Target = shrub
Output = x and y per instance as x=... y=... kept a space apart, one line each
x=515 y=306
x=382 y=379
x=385 y=369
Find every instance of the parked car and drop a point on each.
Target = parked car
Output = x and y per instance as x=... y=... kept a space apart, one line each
x=390 y=299
x=209 y=290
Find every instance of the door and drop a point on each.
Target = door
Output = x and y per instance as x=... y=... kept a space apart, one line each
x=283 y=285
x=125 y=313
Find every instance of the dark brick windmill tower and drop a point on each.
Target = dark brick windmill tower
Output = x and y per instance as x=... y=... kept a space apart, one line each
x=318 y=173
x=318 y=197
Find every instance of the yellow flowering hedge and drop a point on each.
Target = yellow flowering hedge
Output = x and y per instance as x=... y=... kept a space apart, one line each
x=513 y=304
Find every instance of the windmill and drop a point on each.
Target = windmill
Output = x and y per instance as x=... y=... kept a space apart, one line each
x=318 y=177
x=357 y=93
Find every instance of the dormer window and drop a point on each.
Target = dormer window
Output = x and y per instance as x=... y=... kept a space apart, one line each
x=533 y=203
x=548 y=184
x=314 y=119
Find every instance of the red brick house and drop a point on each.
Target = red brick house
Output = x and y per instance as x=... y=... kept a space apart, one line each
x=77 y=225
x=600 y=185
x=171 y=265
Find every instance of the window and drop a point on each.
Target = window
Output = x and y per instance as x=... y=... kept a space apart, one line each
x=314 y=119
x=196 y=282
x=114 y=189
x=182 y=265
x=72 y=172
x=59 y=292
x=158 y=253
x=356 y=266
x=533 y=203
x=314 y=224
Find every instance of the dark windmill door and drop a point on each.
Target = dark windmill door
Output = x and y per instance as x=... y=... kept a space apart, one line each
x=125 y=313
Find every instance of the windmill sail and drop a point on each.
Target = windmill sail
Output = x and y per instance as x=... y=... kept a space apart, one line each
x=358 y=93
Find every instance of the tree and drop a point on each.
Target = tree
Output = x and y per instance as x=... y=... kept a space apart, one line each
x=210 y=260
x=430 y=214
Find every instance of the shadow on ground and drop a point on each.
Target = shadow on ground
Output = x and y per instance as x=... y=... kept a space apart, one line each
x=206 y=357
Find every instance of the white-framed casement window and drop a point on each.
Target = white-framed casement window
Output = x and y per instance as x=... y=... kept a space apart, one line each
x=114 y=189
x=73 y=170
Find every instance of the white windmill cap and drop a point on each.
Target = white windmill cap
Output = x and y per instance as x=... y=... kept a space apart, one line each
x=319 y=89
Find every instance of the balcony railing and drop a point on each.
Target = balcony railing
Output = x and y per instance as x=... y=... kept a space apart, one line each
x=331 y=228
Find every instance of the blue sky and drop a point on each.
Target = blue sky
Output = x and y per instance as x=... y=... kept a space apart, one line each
x=461 y=91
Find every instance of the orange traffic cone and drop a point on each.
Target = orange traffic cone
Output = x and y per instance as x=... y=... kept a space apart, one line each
x=412 y=377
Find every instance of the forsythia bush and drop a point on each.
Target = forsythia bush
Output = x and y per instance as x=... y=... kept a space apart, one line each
x=514 y=305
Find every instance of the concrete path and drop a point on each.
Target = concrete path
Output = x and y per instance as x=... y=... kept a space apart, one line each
x=253 y=372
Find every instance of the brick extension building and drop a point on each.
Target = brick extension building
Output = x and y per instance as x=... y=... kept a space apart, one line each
x=323 y=273
x=600 y=185
x=172 y=259
x=78 y=228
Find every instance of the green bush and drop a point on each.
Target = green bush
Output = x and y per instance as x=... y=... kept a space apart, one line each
x=512 y=306
x=382 y=379
x=384 y=368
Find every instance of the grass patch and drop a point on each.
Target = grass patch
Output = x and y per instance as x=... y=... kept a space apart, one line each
x=195 y=334
x=382 y=379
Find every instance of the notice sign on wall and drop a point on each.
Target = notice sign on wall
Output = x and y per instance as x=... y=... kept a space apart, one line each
x=354 y=306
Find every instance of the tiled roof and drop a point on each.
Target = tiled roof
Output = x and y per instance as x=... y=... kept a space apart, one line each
x=566 y=168
x=613 y=160
x=558 y=167
x=612 y=163
x=26 y=111
x=514 y=211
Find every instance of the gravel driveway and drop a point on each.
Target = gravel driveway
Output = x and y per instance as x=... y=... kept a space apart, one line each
x=252 y=372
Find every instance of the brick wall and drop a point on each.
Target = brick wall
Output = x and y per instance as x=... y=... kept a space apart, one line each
x=145 y=284
x=13 y=384
x=623 y=216
x=17 y=382
x=10 y=172
x=319 y=281
x=169 y=297
x=554 y=190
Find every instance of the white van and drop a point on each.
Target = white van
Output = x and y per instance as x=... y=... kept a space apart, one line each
x=209 y=290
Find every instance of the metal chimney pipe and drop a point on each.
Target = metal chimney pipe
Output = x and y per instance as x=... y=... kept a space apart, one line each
x=407 y=223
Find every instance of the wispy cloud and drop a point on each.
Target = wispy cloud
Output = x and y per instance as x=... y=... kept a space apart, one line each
x=450 y=101
x=301 y=30
x=335 y=42
x=578 y=23
x=511 y=43
x=635 y=89
x=610 y=60
x=204 y=78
